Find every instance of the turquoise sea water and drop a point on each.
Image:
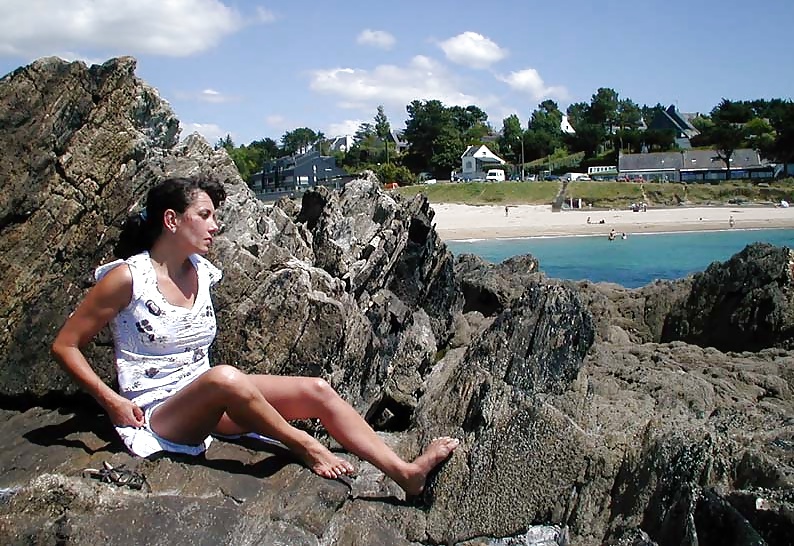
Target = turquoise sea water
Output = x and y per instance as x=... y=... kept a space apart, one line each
x=632 y=262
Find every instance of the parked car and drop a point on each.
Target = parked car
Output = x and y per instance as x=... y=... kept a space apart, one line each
x=551 y=177
x=495 y=175
x=622 y=178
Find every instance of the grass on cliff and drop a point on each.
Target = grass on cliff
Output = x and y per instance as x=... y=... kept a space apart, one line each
x=606 y=194
x=670 y=194
x=487 y=193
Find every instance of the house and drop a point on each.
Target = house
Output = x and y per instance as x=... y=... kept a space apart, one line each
x=476 y=161
x=339 y=144
x=672 y=119
x=298 y=172
x=565 y=126
x=694 y=166
x=400 y=145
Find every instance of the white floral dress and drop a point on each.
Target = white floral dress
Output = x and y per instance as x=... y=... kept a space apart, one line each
x=160 y=347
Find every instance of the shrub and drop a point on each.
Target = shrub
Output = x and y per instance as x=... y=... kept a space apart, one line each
x=389 y=172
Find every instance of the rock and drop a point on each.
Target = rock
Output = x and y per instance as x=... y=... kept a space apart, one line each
x=637 y=314
x=489 y=289
x=745 y=303
x=78 y=145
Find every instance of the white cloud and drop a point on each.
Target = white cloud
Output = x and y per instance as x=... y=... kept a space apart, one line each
x=391 y=85
x=174 y=28
x=472 y=50
x=210 y=131
x=207 y=95
x=276 y=120
x=529 y=81
x=342 y=128
x=265 y=15
x=71 y=56
x=377 y=38
x=210 y=95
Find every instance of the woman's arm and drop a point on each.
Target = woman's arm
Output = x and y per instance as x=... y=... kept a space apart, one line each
x=102 y=303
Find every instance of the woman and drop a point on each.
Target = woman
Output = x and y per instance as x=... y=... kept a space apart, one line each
x=156 y=299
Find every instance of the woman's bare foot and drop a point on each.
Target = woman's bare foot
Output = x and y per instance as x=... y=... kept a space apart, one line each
x=324 y=463
x=434 y=454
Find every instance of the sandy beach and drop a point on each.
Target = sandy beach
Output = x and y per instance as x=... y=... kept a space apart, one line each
x=455 y=222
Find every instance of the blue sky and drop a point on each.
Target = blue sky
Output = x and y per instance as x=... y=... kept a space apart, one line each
x=256 y=69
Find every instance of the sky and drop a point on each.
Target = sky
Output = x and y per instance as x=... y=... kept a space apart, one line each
x=254 y=69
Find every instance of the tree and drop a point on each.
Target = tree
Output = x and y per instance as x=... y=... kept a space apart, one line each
x=760 y=135
x=447 y=150
x=225 y=142
x=298 y=140
x=630 y=140
x=659 y=140
x=727 y=137
x=629 y=115
x=729 y=131
x=365 y=134
x=437 y=135
x=321 y=143
x=604 y=108
x=782 y=120
x=545 y=133
x=650 y=112
x=251 y=159
x=470 y=118
x=425 y=124
x=365 y=142
x=589 y=134
x=383 y=129
x=732 y=112
x=577 y=114
x=510 y=139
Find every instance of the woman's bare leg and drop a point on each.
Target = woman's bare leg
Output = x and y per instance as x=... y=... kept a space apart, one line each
x=224 y=393
x=309 y=397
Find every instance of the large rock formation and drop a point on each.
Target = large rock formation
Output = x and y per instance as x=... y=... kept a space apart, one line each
x=747 y=303
x=585 y=416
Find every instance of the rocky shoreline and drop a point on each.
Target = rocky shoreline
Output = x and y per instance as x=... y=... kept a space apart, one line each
x=588 y=414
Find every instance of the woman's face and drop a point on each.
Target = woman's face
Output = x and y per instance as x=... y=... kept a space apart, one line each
x=198 y=224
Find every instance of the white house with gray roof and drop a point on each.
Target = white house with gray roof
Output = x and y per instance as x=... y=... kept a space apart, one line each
x=476 y=161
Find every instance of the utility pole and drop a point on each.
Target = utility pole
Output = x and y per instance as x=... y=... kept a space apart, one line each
x=521 y=138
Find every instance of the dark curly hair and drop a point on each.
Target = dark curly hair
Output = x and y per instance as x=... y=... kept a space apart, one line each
x=141 y=230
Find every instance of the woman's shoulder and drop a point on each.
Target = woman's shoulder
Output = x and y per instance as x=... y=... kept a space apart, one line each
x=133 y=262
x=203 y=265
x=114 y=284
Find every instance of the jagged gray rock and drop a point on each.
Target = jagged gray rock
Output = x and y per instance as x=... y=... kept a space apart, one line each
x=583 y=415
x=746 y=303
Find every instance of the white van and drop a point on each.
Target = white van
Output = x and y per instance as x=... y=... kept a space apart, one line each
x=495 y=175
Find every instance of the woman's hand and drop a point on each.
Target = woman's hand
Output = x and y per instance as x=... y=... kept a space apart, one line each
x=124 y=413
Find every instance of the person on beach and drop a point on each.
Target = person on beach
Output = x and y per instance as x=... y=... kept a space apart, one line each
x=507 y=211
x=731 y=221
x=624 y=236
x=588 y=220
x=156 y=298
x=611 y=235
